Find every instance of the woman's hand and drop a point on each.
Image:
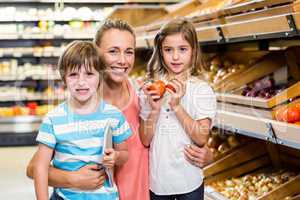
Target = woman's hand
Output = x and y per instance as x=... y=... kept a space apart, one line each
x=176 y=95
x=198 y=156
x=89 y=177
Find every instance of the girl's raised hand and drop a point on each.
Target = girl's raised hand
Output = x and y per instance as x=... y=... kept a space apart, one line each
x=176 y=95
x=153 y=97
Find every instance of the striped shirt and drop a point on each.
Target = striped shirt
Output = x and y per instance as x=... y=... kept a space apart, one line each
x=78 y=140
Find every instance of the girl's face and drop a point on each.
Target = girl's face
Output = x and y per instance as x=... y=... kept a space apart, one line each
x=117 y=51
x=177 y=54
x=82 y=84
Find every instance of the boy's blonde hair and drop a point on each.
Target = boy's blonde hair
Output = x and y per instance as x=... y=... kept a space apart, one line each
x=77 y=54
x=156 y=64
x=112 y=24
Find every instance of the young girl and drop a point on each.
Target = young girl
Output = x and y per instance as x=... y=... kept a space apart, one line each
x=74 y=131
x=182 y=117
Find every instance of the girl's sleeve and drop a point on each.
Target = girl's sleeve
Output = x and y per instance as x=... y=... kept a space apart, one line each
x=203 y=102
x=121 y=131
x=46 y=134
x=144 y=105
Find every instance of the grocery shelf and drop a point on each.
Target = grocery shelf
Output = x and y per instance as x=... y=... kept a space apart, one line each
x=91 y=1
x=20 y=124
x=35 y=97
x=18 y=139
x=258 y=127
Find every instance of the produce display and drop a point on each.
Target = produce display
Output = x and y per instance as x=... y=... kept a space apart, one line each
x=220 y=143
x=31 y=108
x=264 y=88
x=289 y=113
x=252 y=186
x=222 y=68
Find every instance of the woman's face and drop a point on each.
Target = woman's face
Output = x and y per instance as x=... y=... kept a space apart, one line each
x=117 y=51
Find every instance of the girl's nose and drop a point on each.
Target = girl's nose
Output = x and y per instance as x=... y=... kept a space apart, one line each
x=175 y=55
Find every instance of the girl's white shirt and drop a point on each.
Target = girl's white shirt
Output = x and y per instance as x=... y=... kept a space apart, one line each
x=170 y=172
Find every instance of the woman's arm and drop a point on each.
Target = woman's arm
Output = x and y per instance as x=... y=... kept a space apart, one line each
x=88 y=177
x=40 y=171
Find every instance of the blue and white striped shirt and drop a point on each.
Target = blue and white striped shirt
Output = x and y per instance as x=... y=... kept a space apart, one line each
x=78 y=140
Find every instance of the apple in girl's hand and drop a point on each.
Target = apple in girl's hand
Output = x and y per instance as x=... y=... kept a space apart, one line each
x=170 y=87
x=158 y=86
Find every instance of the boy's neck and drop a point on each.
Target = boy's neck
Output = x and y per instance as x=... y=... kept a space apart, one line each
x=84 y=108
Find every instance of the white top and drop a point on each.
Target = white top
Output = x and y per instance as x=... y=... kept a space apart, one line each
x=170 y=172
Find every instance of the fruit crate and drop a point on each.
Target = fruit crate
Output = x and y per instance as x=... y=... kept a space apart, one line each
x=255 y=158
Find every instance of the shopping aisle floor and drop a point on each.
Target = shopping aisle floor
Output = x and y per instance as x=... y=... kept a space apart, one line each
x=14 y=185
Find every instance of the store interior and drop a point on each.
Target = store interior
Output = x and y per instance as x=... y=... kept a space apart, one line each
x=250 y=56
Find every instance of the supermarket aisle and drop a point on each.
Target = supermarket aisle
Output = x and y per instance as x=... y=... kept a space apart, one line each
x=14 y=184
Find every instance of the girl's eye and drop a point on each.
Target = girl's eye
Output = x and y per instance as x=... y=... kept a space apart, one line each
x=90 y=73
x=183 y=49
x=167 y=49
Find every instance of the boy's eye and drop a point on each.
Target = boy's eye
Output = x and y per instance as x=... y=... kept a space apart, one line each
x=90 y=73
x=72 y=74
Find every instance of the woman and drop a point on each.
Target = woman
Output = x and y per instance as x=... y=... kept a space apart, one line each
x=116 y=42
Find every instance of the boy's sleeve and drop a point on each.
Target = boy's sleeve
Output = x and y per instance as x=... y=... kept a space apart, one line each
x=46 y=134
x=121 y=131
x=203 y=102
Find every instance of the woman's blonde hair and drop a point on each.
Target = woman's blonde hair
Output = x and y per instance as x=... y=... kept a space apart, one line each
x=156 y=63
x=112 y=24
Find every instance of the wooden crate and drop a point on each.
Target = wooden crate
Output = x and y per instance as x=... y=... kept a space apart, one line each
x=267 y=65
x=252 y=159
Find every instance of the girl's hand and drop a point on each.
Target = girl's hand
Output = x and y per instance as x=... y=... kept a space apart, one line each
x=153 y=98
x=176 y=95
x=109 y=158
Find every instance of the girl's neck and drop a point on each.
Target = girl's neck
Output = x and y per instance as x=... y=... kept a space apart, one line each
x=183 y=76
x=86 y=107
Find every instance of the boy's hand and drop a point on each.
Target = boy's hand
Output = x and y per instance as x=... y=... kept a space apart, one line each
x=109 y=158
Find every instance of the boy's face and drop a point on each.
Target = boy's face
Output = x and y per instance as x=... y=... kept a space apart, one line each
x=117 y=52
x=82 y=84
x=177 y=53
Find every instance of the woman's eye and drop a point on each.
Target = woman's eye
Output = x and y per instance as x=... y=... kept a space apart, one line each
x=129 y=52
x=113 y=51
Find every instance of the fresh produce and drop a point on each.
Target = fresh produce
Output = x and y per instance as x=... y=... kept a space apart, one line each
x=263 y=88
x=288 y=113
x=252 y=186
x=158 y=86
x=169 y=86
x=222 y=68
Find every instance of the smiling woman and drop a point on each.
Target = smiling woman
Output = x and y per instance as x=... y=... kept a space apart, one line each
x=116 y=42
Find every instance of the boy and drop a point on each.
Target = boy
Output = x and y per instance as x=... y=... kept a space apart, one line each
x=73 y=133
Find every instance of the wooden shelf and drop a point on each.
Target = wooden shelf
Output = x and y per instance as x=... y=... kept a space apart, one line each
x=229 y=25
x=255 y=126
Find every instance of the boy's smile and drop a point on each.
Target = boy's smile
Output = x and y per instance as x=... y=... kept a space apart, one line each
x=82 y=84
